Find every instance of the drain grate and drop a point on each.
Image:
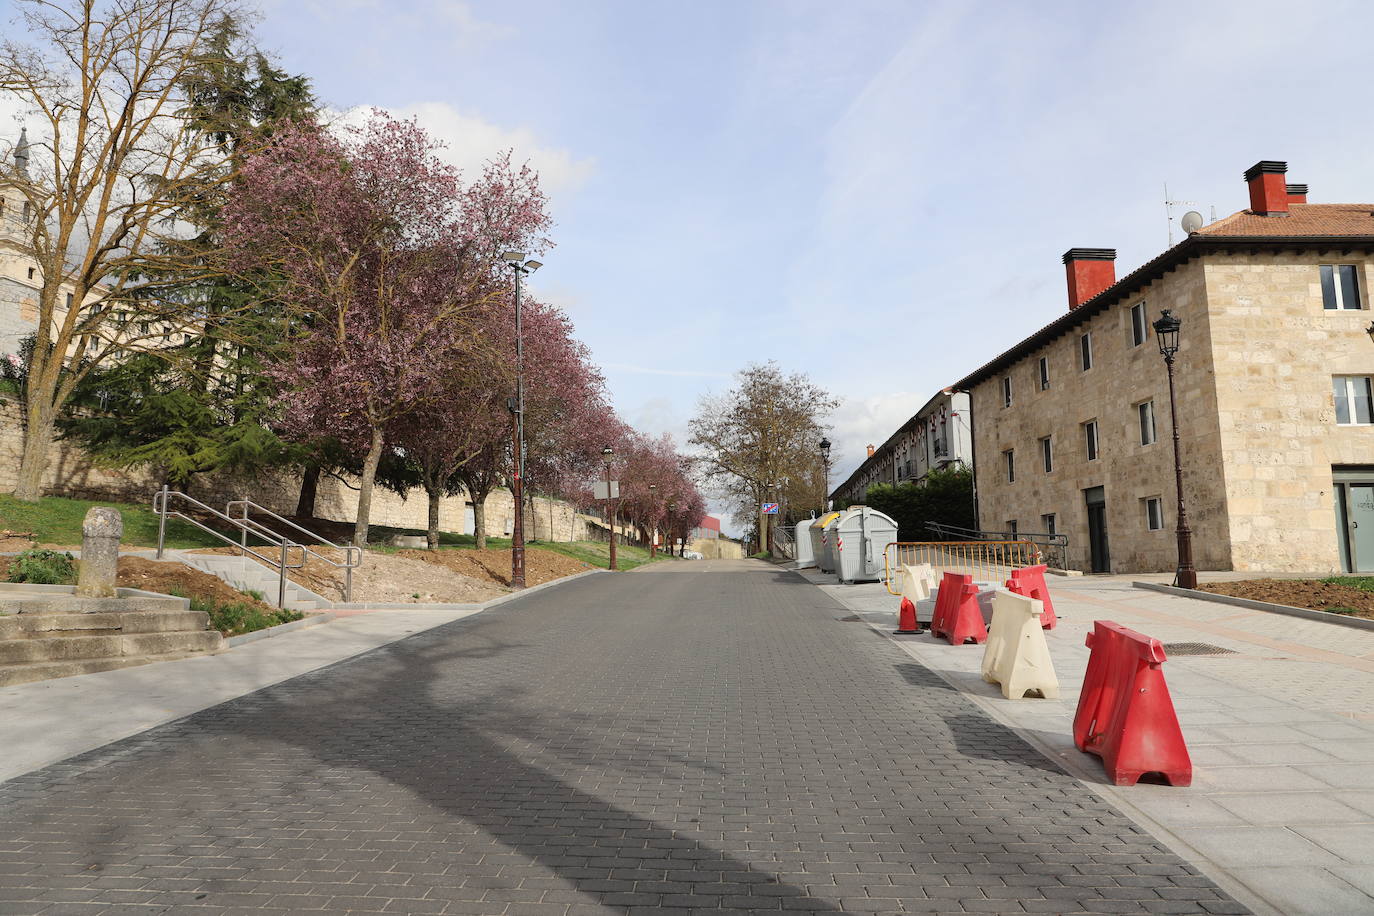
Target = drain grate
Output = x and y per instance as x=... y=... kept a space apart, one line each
x=1195 y=648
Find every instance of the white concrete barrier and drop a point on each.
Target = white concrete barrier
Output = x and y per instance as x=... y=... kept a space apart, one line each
x=917 y=581
x=1017 y=656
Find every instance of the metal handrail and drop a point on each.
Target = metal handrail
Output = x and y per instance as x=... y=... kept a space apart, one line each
x=353 y=555
x=986 y=561
x=161 y=506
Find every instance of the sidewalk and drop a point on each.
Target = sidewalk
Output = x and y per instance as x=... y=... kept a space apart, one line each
x=48 y=721
x=1281 y=734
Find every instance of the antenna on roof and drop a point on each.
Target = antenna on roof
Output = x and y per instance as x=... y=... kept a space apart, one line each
x=1169 y=210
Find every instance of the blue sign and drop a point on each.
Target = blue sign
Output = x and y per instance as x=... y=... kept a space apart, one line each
x=770 y=508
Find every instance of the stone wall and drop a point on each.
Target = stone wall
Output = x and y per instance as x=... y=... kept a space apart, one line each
x=71 y=473
x=1122 y=376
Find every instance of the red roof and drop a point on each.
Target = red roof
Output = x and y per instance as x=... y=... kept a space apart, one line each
x=710 y=521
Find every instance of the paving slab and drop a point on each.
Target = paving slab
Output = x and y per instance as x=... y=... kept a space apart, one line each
x=1279 y=732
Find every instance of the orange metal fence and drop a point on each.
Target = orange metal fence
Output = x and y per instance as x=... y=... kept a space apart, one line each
x=986 y=561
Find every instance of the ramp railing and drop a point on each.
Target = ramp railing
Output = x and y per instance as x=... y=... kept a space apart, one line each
x=352 y=557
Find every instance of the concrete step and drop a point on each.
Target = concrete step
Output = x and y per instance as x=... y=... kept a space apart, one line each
x=66 y=603
x=100 y=646
x=27 y=672
x=245 y=573
x=26 y=626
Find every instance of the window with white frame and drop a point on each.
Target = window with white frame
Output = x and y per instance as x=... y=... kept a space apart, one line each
x=1090 y=439
x=1047 y=454
x=1044 y=372
x=1085 y=351
x=1139 y=327
x=1009 y=457
x=1146 y=412
x=1154 y=513
x=1352 y=394
x=1006 y=391
x=1340 y=286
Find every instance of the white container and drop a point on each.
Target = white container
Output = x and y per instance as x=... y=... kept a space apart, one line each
x=862 y=536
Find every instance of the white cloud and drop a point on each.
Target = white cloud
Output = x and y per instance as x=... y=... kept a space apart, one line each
x=470 y=141
x=860 y=422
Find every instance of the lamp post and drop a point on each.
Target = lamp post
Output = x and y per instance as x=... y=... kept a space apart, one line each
x=1166 y=330
x=607 y=454
x=653 y=533
x=825 y=470
x=520 y=267
x=672 y=520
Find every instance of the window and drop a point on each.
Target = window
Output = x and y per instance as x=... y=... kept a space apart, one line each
x=1353 y=395
x=1047 y=454
x=1147 y=422
x=30 y=273
x=143 y=327
x=1010 y=456
x=69 y=301
x=28 y=211
x=1085 y=351
x=1138 y=326
x=1006 y=391
x=1340 y=288
x=1044 y=372
x=1090 y=438
x=1011 y=527
x=1154 y=513
x=1047 y=524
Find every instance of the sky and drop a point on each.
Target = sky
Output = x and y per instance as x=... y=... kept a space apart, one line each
x=876 y=193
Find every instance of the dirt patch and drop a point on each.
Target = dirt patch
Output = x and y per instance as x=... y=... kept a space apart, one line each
x=493 y=566
x=1306 y=593
x=163 y=577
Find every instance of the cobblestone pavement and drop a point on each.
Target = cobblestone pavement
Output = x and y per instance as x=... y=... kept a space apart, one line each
x=704 y=738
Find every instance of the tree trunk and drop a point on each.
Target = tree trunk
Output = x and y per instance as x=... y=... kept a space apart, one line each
x=479 y=520
x=310 y=487
x=38 y=427
x=432 y=532
x=374 y=458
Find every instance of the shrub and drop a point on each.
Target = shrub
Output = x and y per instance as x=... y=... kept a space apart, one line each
x=43 y=567
x=233 y=618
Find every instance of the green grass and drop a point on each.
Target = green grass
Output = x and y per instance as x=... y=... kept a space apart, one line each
x=1363 y=583
x=377 y=536
x=55 y=520
x=234 y=618
x=1340 y=610
x=598 y=553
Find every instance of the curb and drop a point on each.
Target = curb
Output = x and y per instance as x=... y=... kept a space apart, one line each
x=1340 y=620
x=280 y=629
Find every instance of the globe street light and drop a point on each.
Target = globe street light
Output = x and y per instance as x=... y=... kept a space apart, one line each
x=825 y=467
x=520 y=267
x=607 y=455
x=1166 y=331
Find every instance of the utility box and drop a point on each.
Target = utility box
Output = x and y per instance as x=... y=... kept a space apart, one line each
x=806 y=554
x=821 y=542
x=862 y=536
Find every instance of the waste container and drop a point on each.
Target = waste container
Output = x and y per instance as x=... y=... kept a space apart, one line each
x=825 y=559
x=806 y=556
x=862 y=536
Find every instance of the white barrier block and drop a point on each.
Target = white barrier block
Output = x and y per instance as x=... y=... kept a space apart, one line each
x=1017 y=656
x=917 y=581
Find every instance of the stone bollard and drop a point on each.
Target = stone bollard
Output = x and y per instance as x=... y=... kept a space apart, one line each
x=100 y=534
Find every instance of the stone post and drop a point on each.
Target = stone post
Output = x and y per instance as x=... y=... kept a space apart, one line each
x=100 y=534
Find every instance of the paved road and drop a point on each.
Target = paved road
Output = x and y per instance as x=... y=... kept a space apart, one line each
x=705 y=737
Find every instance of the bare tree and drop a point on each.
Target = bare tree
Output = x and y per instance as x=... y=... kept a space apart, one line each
x=759 y=440
x=111 y=166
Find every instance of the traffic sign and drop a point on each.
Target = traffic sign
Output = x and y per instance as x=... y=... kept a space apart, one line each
x=770 y=508
x=601 y=487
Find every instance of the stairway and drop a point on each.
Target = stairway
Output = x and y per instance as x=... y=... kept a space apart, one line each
x=48 y=634
x=247 y=574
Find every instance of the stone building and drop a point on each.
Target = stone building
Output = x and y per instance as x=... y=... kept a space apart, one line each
x=937 y=435
x=1072 y=430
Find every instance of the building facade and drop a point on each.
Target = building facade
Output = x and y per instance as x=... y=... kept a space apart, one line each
x=936 y=436
x=1273 y=379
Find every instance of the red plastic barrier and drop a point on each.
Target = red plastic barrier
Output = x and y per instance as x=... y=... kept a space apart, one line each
x=957 y=615
x=906 y=619
x=1030 y=582
x=1125 y=715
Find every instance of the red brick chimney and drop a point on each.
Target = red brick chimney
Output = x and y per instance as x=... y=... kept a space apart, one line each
x=1090 y=271
x=1268 y=192
x=1297 y=193
x=871 y=450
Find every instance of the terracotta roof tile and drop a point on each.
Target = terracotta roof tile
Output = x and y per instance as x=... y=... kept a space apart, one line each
x=1302 y=220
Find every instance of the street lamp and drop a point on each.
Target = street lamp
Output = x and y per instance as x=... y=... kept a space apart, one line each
x=825 y=466
x=607 y=455
x=520 y=267
x=672 y=521
x=1166 y=330
x=653 y=534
